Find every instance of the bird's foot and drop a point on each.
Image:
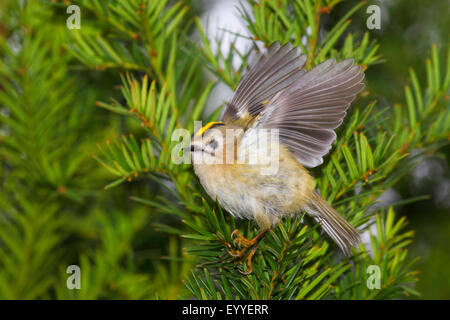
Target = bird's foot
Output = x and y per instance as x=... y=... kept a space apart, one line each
x=240 y=241
x=244 y=244
x=248 y=260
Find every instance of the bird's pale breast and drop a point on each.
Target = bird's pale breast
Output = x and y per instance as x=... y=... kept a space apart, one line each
x=244 y=191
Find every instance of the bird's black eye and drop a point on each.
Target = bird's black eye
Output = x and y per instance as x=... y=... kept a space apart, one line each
x=213 y=143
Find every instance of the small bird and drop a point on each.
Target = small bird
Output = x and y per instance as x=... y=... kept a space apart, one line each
x=303 y=108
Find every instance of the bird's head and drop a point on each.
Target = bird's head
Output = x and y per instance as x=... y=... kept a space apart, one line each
x=210 y=144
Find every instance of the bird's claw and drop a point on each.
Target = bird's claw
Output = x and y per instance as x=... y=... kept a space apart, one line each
x=243 y=244
x=237 y=253
x=240 y=241
x=248 y=260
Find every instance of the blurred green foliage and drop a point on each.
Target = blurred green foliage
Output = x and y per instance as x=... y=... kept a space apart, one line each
x=409 y=30
x=142 y=226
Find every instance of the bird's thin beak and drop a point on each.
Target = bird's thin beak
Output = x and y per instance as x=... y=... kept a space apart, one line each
x=189 y=148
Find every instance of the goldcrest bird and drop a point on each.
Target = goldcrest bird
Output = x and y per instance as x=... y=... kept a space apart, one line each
x=303 y=108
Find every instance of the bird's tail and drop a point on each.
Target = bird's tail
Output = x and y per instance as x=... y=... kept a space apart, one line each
x=342 y=233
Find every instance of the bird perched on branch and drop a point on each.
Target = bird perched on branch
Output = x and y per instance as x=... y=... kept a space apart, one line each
x=298 y=111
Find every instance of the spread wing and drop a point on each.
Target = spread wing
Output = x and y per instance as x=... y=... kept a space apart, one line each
x=307 y=112
x=275 y=70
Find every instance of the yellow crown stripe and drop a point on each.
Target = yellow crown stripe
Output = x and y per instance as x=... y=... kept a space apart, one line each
x=206 y=127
